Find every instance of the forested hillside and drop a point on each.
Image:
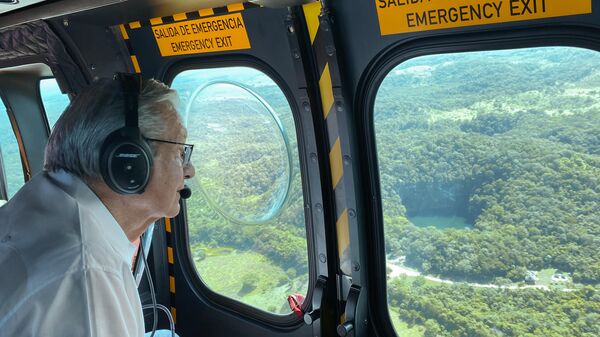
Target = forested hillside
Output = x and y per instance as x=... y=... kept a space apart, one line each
x=489 y=167
x=246 y=217
x=509 y=141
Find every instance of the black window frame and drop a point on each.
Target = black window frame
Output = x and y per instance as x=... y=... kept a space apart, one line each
x=18 y=139
x=284 y=322
x=398 y=53
x=41 y=100
x=3 y=180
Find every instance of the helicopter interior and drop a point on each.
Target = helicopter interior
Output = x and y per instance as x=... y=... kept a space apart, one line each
x=364 y=168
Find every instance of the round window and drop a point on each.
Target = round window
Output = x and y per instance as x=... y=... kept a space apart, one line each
x=241 y=152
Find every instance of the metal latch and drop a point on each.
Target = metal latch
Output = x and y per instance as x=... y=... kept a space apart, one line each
x=317 y=299
x=346 y=329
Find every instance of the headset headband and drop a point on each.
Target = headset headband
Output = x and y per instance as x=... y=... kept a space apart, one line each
x=131 y=85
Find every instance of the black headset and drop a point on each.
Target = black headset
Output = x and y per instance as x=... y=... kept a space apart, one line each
x=126 y=157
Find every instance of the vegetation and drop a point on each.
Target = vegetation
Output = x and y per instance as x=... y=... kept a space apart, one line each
x=461 y=310
x=247 y=189
x=509 y=141
x=249 y=277
x=499 y=152
x=246 y=216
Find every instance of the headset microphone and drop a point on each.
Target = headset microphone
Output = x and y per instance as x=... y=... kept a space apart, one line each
x=185 y=192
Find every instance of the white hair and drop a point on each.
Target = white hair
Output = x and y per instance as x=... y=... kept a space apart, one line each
x=77 y=137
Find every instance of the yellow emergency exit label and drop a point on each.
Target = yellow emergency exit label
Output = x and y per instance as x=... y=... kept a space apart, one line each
x=220 y=33
x=403 y=16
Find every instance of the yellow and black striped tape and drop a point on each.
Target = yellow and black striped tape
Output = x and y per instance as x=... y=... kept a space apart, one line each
x=171 y=265
x=202 y=13
x=170 y=256
x=134 y=61
x=232 y=8
x=125 y=30
x=329 y=87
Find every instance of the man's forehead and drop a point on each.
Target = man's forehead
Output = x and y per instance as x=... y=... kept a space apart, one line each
x=180 y=127
x=176 y=132
x=183 y=131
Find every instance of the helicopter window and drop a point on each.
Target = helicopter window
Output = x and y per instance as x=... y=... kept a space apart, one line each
x=489 y=166
x=246 y=224
x=11 y=158
x=53 y=99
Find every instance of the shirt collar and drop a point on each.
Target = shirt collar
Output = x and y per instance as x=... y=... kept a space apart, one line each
x=87 y=199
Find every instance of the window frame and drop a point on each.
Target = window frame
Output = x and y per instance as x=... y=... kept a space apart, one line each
x=553 y=36
x=3 y=180
x=180 y=229
x=22 y=154
x=41 y=99
x=29 y=134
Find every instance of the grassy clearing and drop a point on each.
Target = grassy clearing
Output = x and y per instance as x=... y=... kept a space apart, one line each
x=250 y=278
x=218 y=251
x=402 y=328
x=545 y=277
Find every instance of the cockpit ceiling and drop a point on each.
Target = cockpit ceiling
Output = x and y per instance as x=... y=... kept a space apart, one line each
x=104 y=10
x=13 y=5
x=111 y=12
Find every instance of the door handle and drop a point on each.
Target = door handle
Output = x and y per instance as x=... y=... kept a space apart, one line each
x=317 y=300
x=346 y=329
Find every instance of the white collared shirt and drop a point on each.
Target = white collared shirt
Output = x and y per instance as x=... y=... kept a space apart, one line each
x=65 y=264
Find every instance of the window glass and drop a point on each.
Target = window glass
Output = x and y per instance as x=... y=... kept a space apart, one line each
x=53 y=99
x=490 y=179
x=11 y=157
x=246 y=218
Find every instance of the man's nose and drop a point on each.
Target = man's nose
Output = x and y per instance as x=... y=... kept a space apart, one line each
x=189 y=171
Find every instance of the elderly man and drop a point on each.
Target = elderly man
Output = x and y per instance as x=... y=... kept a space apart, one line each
x=66 y=236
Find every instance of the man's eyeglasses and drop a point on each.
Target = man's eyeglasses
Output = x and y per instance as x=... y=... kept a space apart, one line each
x=187 y=150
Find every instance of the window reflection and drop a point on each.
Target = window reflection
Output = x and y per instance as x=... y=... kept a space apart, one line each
x=246 y=228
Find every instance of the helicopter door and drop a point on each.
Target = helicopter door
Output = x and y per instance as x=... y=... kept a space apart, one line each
x=247 y=254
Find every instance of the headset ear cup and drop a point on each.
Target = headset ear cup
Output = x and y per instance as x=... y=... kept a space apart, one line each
x=125 y=157
x=126 y=162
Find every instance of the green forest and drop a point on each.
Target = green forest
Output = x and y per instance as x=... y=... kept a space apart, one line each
x=489 y=165
x=461 y=310
x=246 y=215
x=509 y=141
